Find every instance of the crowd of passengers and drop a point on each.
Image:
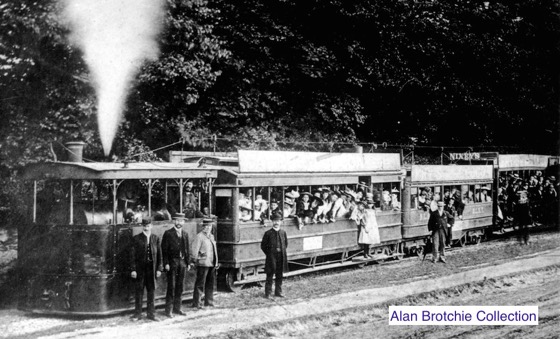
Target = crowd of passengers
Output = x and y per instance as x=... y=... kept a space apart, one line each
x=323 y=205
x=528 y=200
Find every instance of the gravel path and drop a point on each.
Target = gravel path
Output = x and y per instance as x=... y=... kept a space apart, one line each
x=215 y=321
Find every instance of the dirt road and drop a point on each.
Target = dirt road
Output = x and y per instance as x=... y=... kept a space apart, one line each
x=242 y=322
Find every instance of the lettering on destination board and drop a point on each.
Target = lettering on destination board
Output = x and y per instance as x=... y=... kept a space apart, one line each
x=312 y=243
x=464 y=156
x=477 y=210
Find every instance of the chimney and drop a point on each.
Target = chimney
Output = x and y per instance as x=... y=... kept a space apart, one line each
x=75 y=150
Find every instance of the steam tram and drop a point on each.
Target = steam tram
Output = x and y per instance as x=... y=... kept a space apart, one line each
x=73 y=252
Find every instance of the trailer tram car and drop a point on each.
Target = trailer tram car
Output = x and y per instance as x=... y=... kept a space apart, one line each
x=469 y=180
x=74 y=252
x=315 y=246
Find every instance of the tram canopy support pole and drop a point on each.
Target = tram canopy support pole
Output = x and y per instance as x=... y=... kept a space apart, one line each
x=71 y=202
x=115 y=186
x=34 y=201
x=150 y=183
x=181 y=195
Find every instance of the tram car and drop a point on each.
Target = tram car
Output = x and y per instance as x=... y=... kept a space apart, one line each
x=469 y=185
x=74 y=252
x=278 y=176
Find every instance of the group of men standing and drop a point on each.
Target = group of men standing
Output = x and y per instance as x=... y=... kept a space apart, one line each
x=174 y=255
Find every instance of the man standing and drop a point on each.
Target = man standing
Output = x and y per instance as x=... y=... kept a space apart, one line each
x=274 y=244
x=175 y=247
x=145 y=263
x=437 y=224
x=450 y=209
x=205 y=256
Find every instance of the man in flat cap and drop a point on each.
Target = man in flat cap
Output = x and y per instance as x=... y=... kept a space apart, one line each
x=146 y=267
x=274 y=244
x=205 y=256
x=175 y=246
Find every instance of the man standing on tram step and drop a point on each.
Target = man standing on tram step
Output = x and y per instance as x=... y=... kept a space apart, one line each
x=274 y=244
x=437 y=224
x=146 y=267
x=205 y=256
x=175 y=248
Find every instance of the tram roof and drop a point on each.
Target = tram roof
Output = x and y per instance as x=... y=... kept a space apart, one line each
x=270 y=168
x=514 y=162
x=451 y=173
x=104 y=170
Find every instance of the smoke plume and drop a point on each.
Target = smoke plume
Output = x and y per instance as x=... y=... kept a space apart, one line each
x=116 y=37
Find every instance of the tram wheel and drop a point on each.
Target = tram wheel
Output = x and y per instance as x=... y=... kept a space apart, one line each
x=463 y=240
x=477 y=239
x=231 y=277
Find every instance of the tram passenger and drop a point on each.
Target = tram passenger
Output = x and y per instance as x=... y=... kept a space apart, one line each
x=433 y=203
x=395 y=203
x=274 y=244
x=423 y=203
x=386 y=201
x=370 y=204
x=289 y=208
x=191 y=212
x=243 y=200
x=325 y=207
x=261 y=206
x=146 y=267
x=483 y=195
x=206 y=213
x=304 y=209
x=274 y=211
x=245 y=213
x=450 y=209
x=337 y=210
x=437 y=224
x=190 y=195
x=316 y=204
x=175 y=249
x=367 y=235
x=204 y=256
x=459 y=204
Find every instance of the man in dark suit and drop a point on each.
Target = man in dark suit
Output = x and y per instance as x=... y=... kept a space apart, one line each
x=145 y=263
x=274 y=244
x=437 y=224
x=175 y=249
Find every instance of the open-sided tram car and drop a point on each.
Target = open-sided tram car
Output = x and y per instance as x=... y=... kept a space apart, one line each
x=316 y=246
x=74 y=252
x=437 y=179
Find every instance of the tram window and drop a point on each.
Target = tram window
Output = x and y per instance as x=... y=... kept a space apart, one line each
x=414 y=197
x=376 y=194
x=260 y=203
x=53 y=202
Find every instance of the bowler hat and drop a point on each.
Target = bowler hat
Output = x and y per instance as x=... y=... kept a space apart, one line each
x=207 y=222
x=276 y=217
x=146 y=221
x=179 y=216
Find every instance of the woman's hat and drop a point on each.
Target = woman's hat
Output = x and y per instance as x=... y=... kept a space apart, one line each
x=246 y=208
x=288 y=202
x=306 y=193
x=318 y=200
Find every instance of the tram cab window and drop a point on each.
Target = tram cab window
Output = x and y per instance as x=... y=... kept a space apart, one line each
x=223 y=203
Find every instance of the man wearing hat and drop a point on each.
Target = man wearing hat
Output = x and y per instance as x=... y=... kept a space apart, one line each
x=175 y=249
x=437 y=224
x=274 y=244
x=146 y=267
x=205 y=256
